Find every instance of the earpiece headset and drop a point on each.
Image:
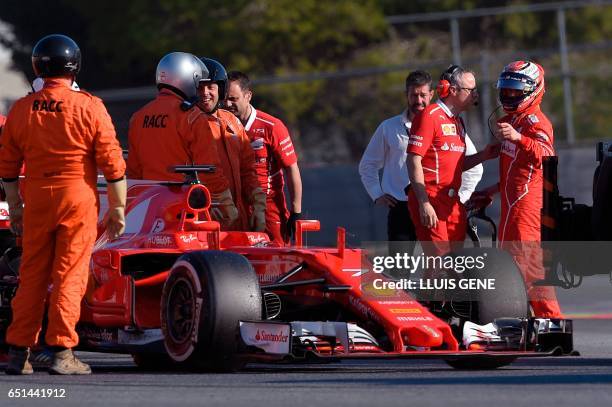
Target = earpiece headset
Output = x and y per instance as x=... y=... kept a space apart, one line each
x=189 y=104
x=446 y=80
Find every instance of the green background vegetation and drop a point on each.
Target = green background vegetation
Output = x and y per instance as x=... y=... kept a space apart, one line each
x=278 y=42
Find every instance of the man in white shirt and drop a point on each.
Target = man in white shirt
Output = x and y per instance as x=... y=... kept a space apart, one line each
x=387 y=150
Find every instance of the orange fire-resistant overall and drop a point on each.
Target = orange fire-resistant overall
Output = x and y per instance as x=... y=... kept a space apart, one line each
x=162 y=135
x=236 y=159
x=63 y=136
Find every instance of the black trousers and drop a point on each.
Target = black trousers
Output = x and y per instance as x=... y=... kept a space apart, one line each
x=399 y=224
x=401 y=234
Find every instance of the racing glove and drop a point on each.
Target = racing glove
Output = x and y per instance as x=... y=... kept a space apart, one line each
x=481 y=199
x=478 y=200
x=15 y=203
x=258 y=217
x=117 y=192
x=290 y=229
x=225 y=211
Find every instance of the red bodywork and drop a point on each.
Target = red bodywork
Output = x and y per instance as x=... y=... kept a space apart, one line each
x=128 y=274
x=159 y=222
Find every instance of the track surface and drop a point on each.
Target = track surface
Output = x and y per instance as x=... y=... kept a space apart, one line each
x=566 y=381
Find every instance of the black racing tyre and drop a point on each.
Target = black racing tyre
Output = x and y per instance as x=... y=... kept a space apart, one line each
x=7 y=240
x=480 y=362
x=595 y=178
x=10 y=260
x=205 y=296
x=601 y=220
x=508 y=300
x=154 y=362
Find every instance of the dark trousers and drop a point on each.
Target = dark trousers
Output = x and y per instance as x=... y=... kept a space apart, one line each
x=401 y=234
x=399 y=224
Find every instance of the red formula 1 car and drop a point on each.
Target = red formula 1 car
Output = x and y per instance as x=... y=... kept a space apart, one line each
x=175 y=290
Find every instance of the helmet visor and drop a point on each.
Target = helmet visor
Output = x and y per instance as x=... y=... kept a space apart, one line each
x=513 y=80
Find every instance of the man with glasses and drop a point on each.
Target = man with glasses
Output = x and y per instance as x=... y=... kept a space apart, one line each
x=436 y=160
x=387 y=151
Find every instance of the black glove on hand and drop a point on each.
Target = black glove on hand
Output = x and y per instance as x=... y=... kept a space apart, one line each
x=290 y=229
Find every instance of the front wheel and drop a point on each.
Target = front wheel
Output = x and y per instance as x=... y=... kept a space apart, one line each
x=480 y=362
x=508 y=300
x=205 y=296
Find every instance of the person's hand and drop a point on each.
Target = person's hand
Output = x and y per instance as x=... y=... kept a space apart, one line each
x=429 y=219
x=226 y=214
x=224 y=210
x=492 y=149
x=386 y=200
x=117 y=195
x=290 y=229
x=505 y=131
x=479 y=200
x=115 y=224
x=258 y=217
x=16 y=218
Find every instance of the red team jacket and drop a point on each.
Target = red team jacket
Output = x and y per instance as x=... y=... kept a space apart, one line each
x=439 y=137
x=273 y=150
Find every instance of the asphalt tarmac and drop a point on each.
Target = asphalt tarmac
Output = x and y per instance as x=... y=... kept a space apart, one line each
x=561 y=381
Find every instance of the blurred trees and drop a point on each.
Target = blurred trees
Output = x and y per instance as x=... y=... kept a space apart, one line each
x=122 y=41
x=332 y=119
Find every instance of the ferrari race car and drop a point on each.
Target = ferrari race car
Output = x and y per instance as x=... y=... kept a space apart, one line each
x=176 y=291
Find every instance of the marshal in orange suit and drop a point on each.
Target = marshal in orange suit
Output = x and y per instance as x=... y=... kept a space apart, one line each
x=63 y=136
x=164 y=133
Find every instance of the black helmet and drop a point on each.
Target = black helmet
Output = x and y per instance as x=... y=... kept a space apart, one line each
x=56 y=55
x=218 y=75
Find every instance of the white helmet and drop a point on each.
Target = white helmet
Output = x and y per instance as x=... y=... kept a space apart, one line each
x=526 y=77
x=181 y=72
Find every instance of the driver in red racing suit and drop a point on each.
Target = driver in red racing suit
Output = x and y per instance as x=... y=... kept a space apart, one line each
x=527 y=137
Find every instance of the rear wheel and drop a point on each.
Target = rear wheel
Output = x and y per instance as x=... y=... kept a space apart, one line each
x=203 y=300
x=507 y=300
x=602 y=201
x=9 y=275
x=7 y=240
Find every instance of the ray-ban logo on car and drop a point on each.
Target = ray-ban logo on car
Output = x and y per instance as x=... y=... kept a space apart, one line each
x=188 y=238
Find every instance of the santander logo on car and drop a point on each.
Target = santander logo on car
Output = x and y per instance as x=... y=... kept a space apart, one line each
x=271 y=337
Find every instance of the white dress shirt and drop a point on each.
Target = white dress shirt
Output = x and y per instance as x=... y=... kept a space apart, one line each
x=387 y=150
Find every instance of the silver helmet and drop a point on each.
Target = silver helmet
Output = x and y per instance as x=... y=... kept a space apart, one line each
x=182 y=73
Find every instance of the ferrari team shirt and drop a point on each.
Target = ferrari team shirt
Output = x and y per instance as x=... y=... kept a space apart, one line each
x=273 y=149
x=439 y=137
x=387 y=151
